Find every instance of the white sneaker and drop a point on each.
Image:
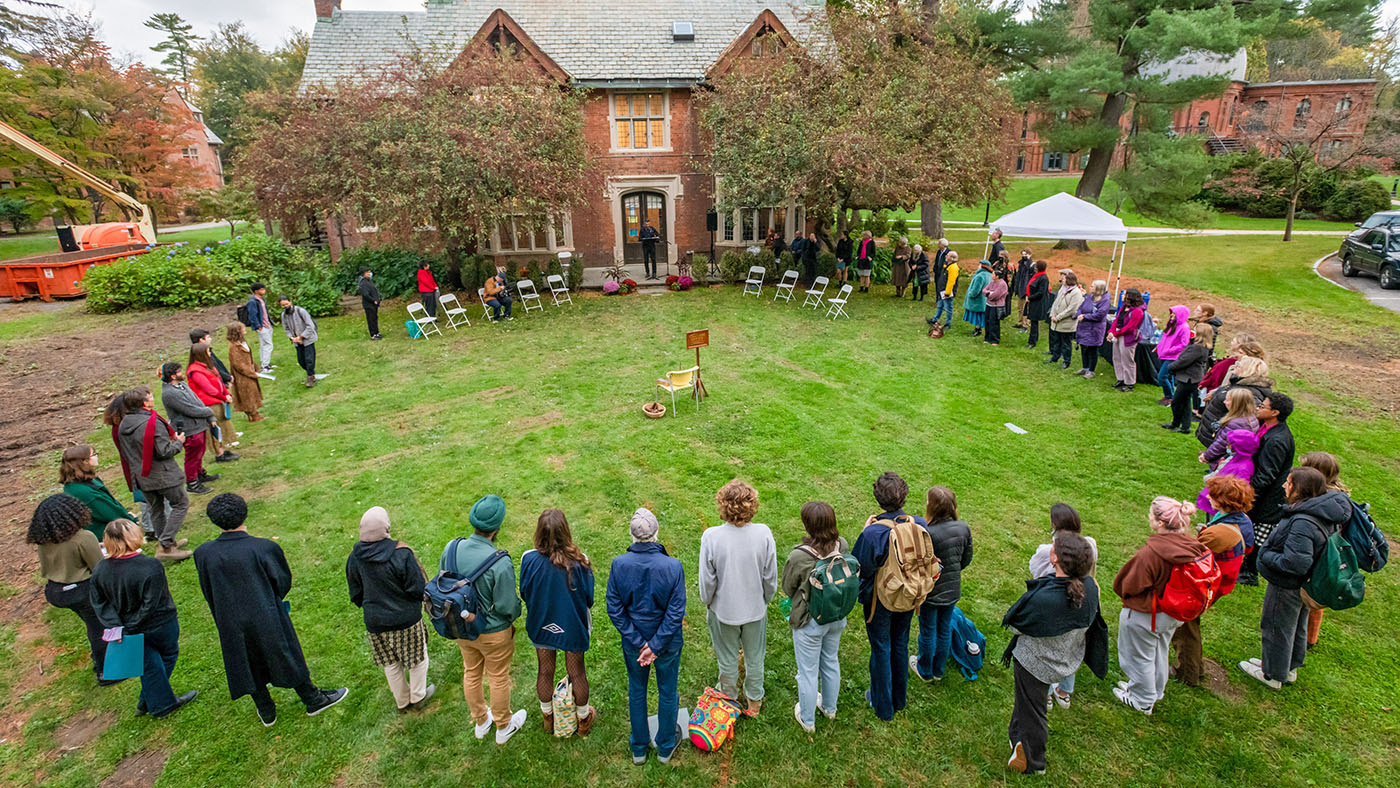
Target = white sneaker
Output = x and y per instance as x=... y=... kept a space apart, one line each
x=1292 y=674
x=1257 y=671
x=517 y=721
x=1122 y=695
x=483 y=728
x=797 y=714
x=830 y=715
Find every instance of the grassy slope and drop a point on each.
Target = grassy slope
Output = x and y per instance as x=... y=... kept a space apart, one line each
x=544 y=411
x=15 y=247
x=1024 y=191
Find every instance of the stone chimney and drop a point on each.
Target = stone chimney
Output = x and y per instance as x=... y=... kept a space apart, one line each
x=325 y=7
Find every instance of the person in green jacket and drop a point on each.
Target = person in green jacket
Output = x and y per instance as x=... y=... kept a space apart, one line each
x=78 y=475
x=975 y=302
x=498 y=605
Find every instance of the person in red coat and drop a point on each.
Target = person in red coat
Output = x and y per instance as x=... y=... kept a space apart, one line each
x=427 y=288
x=208 y=385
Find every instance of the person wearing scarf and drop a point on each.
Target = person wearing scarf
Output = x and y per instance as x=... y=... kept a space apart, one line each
x=143 y=436
x=1037 y=302
x=1055 y=627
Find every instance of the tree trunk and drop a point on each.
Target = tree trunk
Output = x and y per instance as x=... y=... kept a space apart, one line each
x=841 y=218
x=1100 y=159
x=931 y=218
x=454 y=266
x=1288 y=219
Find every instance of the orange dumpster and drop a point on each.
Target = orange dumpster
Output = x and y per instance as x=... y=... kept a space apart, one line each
x=53 y=276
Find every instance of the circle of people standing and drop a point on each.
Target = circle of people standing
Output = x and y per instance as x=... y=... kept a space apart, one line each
x=1261 y=512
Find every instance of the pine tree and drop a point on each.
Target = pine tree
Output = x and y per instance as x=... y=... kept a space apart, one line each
x=178 y=46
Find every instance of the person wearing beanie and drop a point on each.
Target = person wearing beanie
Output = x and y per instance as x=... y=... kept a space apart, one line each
x=489 y=656
x=646 y=603
x=556 y=584
x=245 y=580
x=387 y=582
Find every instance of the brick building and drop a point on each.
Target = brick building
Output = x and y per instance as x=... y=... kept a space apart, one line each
x=1220 y=121
x=199 y=147
x=641 y=65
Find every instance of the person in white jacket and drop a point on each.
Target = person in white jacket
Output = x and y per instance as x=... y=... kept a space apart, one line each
x=1062 y=313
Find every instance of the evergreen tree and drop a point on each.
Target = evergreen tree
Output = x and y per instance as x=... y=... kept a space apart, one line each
x=178 y=46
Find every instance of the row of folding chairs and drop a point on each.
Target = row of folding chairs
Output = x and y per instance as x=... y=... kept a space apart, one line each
x=456 y=314
x=787 y=286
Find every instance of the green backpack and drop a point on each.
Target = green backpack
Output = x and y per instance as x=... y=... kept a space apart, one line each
x=833 y=586
x=1335 y=582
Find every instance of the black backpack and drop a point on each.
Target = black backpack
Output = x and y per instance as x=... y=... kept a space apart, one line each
x=451 y=600
x=242 y=314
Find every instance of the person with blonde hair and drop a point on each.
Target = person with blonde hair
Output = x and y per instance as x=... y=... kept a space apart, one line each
x=1250 y=373
x=1091 y=324
x=1144 y=632
x=130 y=596
x=77 y=472
x=1241 y=345
x=738 y=577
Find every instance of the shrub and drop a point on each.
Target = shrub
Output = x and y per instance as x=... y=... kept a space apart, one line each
x=898 y=227
x=786 y=262
x=178 y=278
x=826 y=264
x=1354 y=201
x=576 y=272
x=700 y=268
x=474 y=271
x=307 y=277
x=878 y=224
x=882 y=272
x=554 y=268
x=733 y=266
x=395 y=269
x=766 y=259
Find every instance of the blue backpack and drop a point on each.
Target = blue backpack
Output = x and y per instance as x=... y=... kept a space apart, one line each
x=450 y=598
x=1367 y=541
x=969 y=645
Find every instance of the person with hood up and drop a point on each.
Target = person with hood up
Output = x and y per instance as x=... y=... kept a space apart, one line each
x=1144 y=632
x=1228 y=536
x=1240 y=464
x=386 y=581
x=147 y=446
x=1286 y=559
x=646 y=603
x=1176 y=335
x=1091 y=323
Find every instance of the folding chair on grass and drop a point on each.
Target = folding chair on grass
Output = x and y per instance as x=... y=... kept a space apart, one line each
x=817 y=291
x=528 y=297
x=680 y=380
x=786 y=286
x=838 y=303
x=426 y=324
x=558 y=289
x=754 y=284
x=456 y=313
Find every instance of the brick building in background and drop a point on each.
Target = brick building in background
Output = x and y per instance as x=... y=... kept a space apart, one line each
x=200 y=147
x=640 y=64
x=1219 y=121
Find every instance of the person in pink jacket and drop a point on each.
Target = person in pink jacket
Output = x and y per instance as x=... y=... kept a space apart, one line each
x=1123 y=333
x=1176 y=335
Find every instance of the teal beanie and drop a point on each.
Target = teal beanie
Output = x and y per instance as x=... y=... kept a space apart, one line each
x=488 y=513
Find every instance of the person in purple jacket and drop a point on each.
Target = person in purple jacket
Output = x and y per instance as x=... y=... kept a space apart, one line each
x=556 y=585
x=1091 y=323
x=646 y=602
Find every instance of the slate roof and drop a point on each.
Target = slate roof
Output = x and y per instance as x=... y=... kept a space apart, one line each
x=1201 y=64
x=594 y=41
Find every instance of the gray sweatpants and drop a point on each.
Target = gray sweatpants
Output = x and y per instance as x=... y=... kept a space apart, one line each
x=1142 y=654
x=167 y=522
x=728 y=640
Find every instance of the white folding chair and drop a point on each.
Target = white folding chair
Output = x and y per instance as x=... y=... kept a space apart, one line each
x=838 y=303
x=456 y=313
x=558 y=289
x=680 y=380
x=754 y=284
x=528 y=297
x=786 y=286
x=426 y=324
x=816 y=293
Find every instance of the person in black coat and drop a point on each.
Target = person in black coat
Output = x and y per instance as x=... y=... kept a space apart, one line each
x=1038 y=302
x=387 y=582
x=1271 y=463
x=810 y=250
x=369 y=299
x=1188 y=369
x=843 y=256
x=245 y=580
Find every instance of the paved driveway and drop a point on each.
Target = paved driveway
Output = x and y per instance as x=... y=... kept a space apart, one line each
x=1330 y=268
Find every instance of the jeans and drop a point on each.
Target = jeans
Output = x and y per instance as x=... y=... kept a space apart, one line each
x=265 y=347
x=429 y=302
x=1283 y=632
x=167 y=524
x=372 y=319
x=1164 y=377
x=944 y=303
x=497 y=303
x=815 y=646
x=194 y=456
x=306 y=357
x=74 y=597
x=728 y=640
x=162 y=649
x=1065 y=684
x=935 y=639
x=1089 y=356
x=889 y=659
x=668 y=702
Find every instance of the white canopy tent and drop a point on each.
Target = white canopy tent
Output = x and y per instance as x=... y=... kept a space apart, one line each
x=1066 y=217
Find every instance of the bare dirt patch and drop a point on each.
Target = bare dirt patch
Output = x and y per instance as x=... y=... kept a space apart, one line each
x=491 y=395
x=140 y=770
x=556 y=462
x=1217 y=680
x=77 y=733
x=532 y=423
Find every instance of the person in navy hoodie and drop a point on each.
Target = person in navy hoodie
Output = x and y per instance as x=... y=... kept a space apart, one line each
x=888 y=631
x=646 y=602
x=556 y=585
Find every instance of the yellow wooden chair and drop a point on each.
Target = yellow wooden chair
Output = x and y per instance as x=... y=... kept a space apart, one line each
x=680 y=380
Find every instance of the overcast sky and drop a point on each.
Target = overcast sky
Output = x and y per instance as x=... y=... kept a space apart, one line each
x=268 y=20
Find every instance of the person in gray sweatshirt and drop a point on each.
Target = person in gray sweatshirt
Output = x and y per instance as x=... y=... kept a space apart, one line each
x=301 y=329
x=738 y=577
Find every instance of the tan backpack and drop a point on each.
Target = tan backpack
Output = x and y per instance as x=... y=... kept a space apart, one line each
x=910 y=569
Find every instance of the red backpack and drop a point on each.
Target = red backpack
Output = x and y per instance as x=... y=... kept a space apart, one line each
x=1190 y=590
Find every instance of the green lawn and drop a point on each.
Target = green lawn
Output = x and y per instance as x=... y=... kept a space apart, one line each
x=544 y=411
x=1024 y=191
x=13 y=247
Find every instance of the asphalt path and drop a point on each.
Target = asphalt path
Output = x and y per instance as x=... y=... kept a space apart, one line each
x=1330 y=268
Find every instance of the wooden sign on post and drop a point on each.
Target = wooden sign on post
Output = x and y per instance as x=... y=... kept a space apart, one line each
x=697 y=340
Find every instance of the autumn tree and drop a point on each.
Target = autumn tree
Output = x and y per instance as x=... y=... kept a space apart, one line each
x=873 y=114
x=435 y=157
x=177 y=46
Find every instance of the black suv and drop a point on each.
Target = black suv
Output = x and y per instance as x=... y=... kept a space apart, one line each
x=1374 y=250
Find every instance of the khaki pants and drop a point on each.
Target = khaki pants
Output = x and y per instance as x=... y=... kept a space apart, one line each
x=409 y=685
x=490 y=655
x=219 y=446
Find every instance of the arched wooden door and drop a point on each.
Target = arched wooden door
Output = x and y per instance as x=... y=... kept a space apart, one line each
x=636 y=208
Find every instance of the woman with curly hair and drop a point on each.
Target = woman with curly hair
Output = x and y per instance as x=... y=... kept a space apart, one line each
x=556 y=584
x=68 y=552
x=738 y=577
x=78 y=475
